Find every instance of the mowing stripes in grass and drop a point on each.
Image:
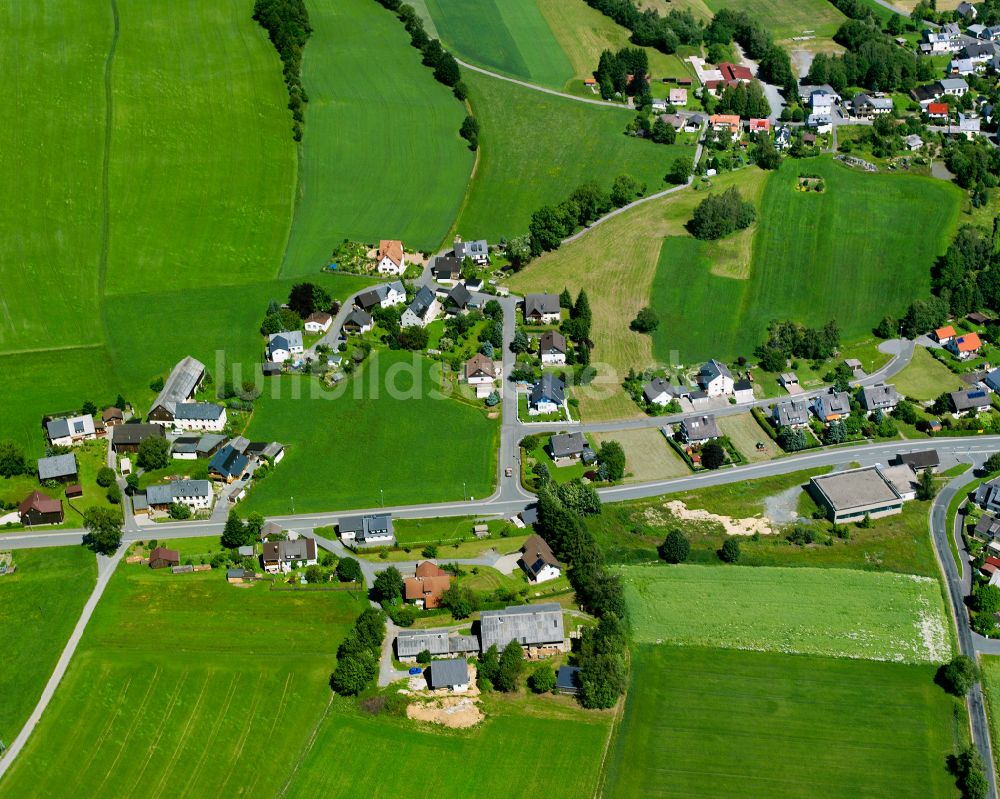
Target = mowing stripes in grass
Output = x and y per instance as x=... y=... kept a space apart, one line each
x=838 y=612
x=381 y=156
x=711 y=722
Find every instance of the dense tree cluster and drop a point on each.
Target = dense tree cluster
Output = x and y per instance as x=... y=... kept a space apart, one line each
x=501 y=670
x=965 y=278
x=774 y=65
x=873 y=60
x=238 y=533
x=719 y=215
x=789 y=339
x=648 y=28
x=358 y=655
x=12 y=460
x=746 y=100
x=287 y=25
x=613 y=70
x=104 y=530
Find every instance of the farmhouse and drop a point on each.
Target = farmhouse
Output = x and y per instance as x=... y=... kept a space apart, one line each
x=880 y=397
x=552 y=348
x=478 y=251
x=128 y=437
x=228 y=464
x=318 y=322
x=357 y=322
x=385 y=295
x=282 y=346
x=61 y=468
x=446 y=269
x=372 y=530
x=390 y=258
x=112 y=416
x=180 y=386
x=832 y=406
x=452 y=675
x=538 y=561
x=848 y=496
x=541 y=309
x=659 y=392
x=440 y=643
x=195 y=494
x=36 y=508
x=548 y=395
x=698 y=429
x=161 y=558
x=66 y=432
x=566 y=448
x=480 y=369
x=280 y=557
x=427 y=585
x=791 y=413
x=964 y=346
x=422 y=311
x=199 y=416
x=534 y=627
x=715 y=379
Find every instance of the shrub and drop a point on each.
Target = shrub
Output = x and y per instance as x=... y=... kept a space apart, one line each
x=424 y=656
x=719 y=215
x=542 y=680
x=105 y=476
x=675 y=547
x=958 y=676
x=730 y=552
x=712 y=455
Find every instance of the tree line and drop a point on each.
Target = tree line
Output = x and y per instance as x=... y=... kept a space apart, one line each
x=774 y=64
x=789 y=339
x=287 y=25
x=442 y=62
x=648 y=28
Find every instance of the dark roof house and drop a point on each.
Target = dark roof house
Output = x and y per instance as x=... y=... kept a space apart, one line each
x=529 y=625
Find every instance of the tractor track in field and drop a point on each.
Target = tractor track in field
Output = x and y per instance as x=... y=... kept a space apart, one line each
x=109 y=109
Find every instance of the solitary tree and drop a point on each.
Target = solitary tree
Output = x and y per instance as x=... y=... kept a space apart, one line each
x=926 y=489
x=712 y=455
x=104 y=530
x=646 y=321
x=958 y=676
x=730 y=552
x=388 y=586
x=542 y=680
x=611 y=456
x=234 y=534
x=349 y=571
x=154 y=453
x=12 y=461
x=105 y=476
x=675 y=547
x=511 y=665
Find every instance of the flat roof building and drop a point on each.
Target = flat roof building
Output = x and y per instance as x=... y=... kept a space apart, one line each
x=848 y=496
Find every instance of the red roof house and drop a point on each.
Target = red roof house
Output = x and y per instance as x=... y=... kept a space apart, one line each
x=36 y=508
x=735 y=72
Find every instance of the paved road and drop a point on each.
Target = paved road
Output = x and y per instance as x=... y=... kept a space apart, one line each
x=957 y=583
x=105 y=568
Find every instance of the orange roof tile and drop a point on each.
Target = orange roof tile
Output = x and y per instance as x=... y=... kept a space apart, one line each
x=391 y=249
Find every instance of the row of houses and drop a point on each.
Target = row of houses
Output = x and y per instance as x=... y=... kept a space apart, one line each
x=833 y=405
x=714 y=379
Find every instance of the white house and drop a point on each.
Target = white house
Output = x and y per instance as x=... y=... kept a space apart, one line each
x=538 y=561
x=65 y=432
x=956 y=87
x=480 y=370
x=390 y=258
x=195 y=494
x=715 y=379
x=548 y=395
x=318 y=322
x=385 y=295
x=679 y=97
x=282 y=346
x=552 y=348
x=967 y=10
x=988 y=495
x=743 y=390
x=422 y=311
x=821 y=102
x=660 y=392
x=372 y=530
x=199 y=416
x=478 y=251
x=541 y=309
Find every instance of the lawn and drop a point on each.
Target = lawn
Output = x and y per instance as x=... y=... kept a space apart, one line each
x=39 y=606
x=648 y=456
x=837 y=612
x=709 y=722
x=536 y=148
x=816 y=257
x=991 y=690
x=617 y=263
x=180 y=683
x=787 y=18
x=925 y=377
x=746 y=435
x=450 y=530
x=458 y=763
x=387 y=435
x=381 y=156
x=202 y=162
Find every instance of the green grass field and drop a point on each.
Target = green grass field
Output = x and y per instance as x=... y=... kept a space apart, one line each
x=816 y=257
x=710 y=722
x=837 y=612
x=381 y=156
x=925 y=378
x=537 y=148
x=180 y=683
x=385 y=757
x=991 y=690
x=39 y=606
x=787 y=18
x=381 y=435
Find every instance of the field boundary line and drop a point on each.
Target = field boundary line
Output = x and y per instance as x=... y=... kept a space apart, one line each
x=109 y=113
x=535 y=87
x=306 y=747
x=602 y=772
x=449 y=236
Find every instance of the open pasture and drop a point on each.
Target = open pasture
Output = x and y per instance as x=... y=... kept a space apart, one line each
x=836 y=612
x=712 y=722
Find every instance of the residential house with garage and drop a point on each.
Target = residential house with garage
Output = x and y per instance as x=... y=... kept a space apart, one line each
x=280 y=557
x=194 y=494
x=880 y=397
x=538 y=561
x=365 y=531
x=479 y=370
x=541 y=309
x=792 y=413
x=832 y=406
x=390 y=259
x=699 y=429
x=458 y=299
x=661 y=392
x=548 y=395
x=318 y=322
x=426 y=587
x=969 y=400
x=446 y=270
x=422 y=311
x=478 y=251
x=865 y=106
x=284 y=345
x=715 y=379
x=569 y=448
x=385 y=295
x=67 y=432
x=552 y=348
x=357 y=322
x=964 y=346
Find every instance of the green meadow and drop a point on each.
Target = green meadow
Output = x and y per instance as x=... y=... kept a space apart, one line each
x=180 y=686
x=381 y=157
x=39 y=606
x=536 y=148
x=836 y=612
x=714 y=722
x=816 y=257
x=382 y=437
